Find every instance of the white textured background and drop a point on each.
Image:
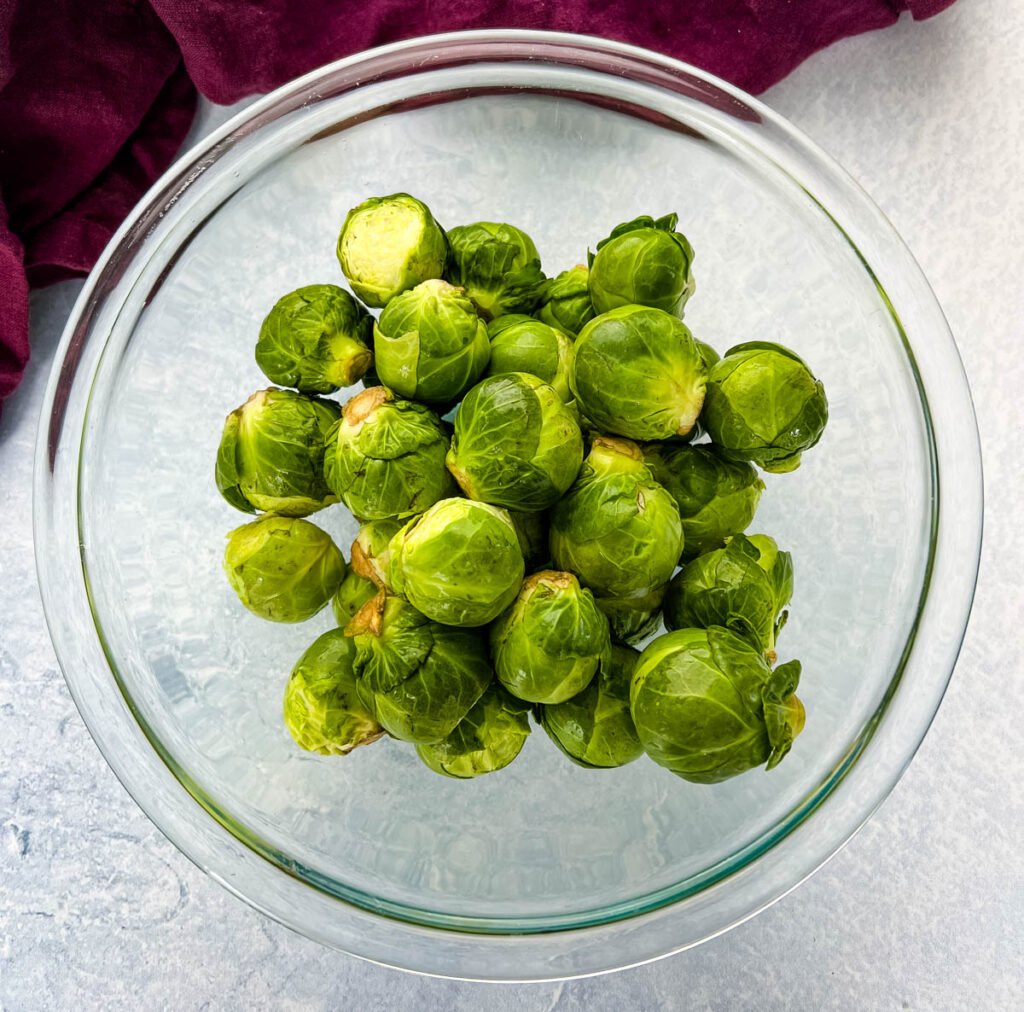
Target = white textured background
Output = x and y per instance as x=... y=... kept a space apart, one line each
x=923 y=910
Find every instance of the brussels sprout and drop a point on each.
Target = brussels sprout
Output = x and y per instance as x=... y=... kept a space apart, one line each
x=707 y=707
x=522 y=344
x=429 y=343
x=638 y=373
x=385 y=457
x=459 y=563
x=617 y=529
x=644 y=262
x=498 y=266
x=271 y=454
x=548 y=644
x=317 y=339
x=371 y=550
x=283 y=569
x=322 y=709
x=487 y=739
x=567 y=306
x=594 y=728
x=744 y=587
x=633 y=619
x=532 y=531
x=716 y=498
x=515 y=444
x=354 y=592
x=388 y=245
x=764 y=405
x=419 y=678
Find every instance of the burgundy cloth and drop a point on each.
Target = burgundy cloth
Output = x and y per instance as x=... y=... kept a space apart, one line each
x=96 y=96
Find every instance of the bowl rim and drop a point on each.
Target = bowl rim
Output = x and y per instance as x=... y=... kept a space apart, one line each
x=961 y=547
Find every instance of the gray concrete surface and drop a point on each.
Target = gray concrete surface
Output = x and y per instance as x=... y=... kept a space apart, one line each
x=924 y=909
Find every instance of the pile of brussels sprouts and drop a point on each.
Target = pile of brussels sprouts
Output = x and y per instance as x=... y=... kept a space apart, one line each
x=523 y=466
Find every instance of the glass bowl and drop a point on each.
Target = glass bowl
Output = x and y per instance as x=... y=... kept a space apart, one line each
x=544 y=870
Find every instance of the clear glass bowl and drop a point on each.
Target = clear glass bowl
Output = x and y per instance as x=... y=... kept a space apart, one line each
x=544 y=870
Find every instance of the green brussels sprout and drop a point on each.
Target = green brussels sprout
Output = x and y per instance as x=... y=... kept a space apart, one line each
x=459 y=563
x=548 y=644
x=385 y=457
x=594 y=728
x=515 y=443
x=764 y=405
x=617 y=529
x=522 y=344
x=371 y=550
x=429 y=343
x=567 y=306
x=498 y=266
x=354 y=592
x=283 y=569
x=316 y=339
x=637 y=372
x=716 y=498
x=633 y=619
x=388 y=245
x=643 y=262
x=707 y=707
x=271 y=454
x=744 y=587
x=322 y=709
x=487 y=739
x=419 y=678
x=532 y=531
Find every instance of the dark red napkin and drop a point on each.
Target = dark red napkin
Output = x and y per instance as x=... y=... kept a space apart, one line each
x=96 y=96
